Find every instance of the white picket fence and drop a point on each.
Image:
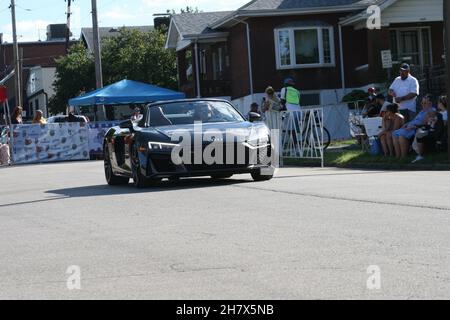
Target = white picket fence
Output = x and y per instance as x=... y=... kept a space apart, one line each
x=300 y=133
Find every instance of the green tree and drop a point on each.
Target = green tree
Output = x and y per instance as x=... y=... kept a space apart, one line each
x=133 y=55
x=75 y=73
x=188 y=9
x=139 y=56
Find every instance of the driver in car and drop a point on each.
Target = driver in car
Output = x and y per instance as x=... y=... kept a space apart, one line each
x=203 y=113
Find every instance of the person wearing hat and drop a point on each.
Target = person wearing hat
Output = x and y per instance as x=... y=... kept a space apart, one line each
x=290 y=97
x=405 y=90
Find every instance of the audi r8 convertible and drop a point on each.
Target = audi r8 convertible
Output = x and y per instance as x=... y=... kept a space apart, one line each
x=187 y=138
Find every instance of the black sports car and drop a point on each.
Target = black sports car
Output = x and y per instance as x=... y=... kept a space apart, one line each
x=186 y=138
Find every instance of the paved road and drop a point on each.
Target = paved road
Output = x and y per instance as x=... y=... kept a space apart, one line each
x=309 y=233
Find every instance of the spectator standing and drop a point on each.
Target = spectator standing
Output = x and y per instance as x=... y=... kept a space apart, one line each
x=404 y=136
x=38 y=118
x=16 y=117
x=271 y=101
x=272 y=107
x=290 y=97
x=392 y=121
x=4 y=148
x=405 y=90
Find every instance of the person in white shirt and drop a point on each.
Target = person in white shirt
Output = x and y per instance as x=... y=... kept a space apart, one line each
x=405 y=90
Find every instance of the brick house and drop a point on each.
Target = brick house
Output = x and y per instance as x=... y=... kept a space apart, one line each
x=325 y=45
x=38 y=72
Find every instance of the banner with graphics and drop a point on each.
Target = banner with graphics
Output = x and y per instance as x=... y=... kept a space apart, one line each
x=97 y=131
x=50 y=143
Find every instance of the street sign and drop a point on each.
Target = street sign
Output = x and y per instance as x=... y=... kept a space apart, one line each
x=386 y=58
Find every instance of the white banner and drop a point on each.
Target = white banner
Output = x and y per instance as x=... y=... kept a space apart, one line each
x=50 y=143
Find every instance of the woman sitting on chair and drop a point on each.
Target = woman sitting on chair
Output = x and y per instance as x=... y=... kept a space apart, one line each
x=392 y=121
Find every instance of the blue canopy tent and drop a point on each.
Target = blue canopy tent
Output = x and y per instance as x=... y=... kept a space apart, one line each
x=126 y=92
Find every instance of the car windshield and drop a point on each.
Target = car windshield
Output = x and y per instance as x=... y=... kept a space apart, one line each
x=189 y=112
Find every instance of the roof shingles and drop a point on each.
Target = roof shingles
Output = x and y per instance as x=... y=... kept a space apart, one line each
x=197 y=23
x=301 y=4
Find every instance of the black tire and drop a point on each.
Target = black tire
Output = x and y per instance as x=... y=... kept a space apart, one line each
x=326 y=138
x=111 y=178
x=140 y=181
x=221 y=176
x=258 y=176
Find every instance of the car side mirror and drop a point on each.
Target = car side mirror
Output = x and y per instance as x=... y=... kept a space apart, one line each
x=128 y=124
x=254 y=117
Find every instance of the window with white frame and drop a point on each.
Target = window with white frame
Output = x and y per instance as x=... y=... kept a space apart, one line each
x=304 y=47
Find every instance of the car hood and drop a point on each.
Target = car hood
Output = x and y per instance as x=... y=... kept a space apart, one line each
x=240 y=131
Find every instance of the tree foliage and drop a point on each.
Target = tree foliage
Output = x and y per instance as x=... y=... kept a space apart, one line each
x=139 y=56
x=133 y=55
x=188 y=9
x=74 y=73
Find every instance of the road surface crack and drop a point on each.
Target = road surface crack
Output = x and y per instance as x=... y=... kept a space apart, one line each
x=341 y=198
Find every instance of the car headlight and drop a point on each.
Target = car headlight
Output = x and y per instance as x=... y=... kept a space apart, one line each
x=161 y=146
x=258 y=138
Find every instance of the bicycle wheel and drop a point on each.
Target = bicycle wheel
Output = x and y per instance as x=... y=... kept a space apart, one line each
x=326 y=138
x=314 y=137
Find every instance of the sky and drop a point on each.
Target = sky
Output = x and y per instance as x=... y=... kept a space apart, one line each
x=33 y=16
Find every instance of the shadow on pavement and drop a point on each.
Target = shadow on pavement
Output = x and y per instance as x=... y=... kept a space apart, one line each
x=106 y=190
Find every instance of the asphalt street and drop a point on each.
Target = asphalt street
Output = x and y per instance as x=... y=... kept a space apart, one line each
x=310 y=233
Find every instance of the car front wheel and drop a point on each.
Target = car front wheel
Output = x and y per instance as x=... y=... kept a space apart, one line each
x=139 y=180
x=262 y=175
x=111 y=178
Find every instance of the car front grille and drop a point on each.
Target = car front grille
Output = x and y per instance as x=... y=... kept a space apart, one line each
x=162 y=162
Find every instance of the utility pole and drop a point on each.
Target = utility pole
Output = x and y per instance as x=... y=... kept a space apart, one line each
x=17 y=73
x=97 y=49
x=69 y=13
x=447 y=55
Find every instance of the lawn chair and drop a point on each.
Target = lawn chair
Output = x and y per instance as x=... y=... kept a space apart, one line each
x=372 y=127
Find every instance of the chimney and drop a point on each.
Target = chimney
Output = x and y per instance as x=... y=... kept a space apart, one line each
x=162 y=22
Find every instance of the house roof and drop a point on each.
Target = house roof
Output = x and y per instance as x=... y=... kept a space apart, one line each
x=186 y=27
x=189 y=24
x=300 y=4
x=286 y=7
x=87 y=34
